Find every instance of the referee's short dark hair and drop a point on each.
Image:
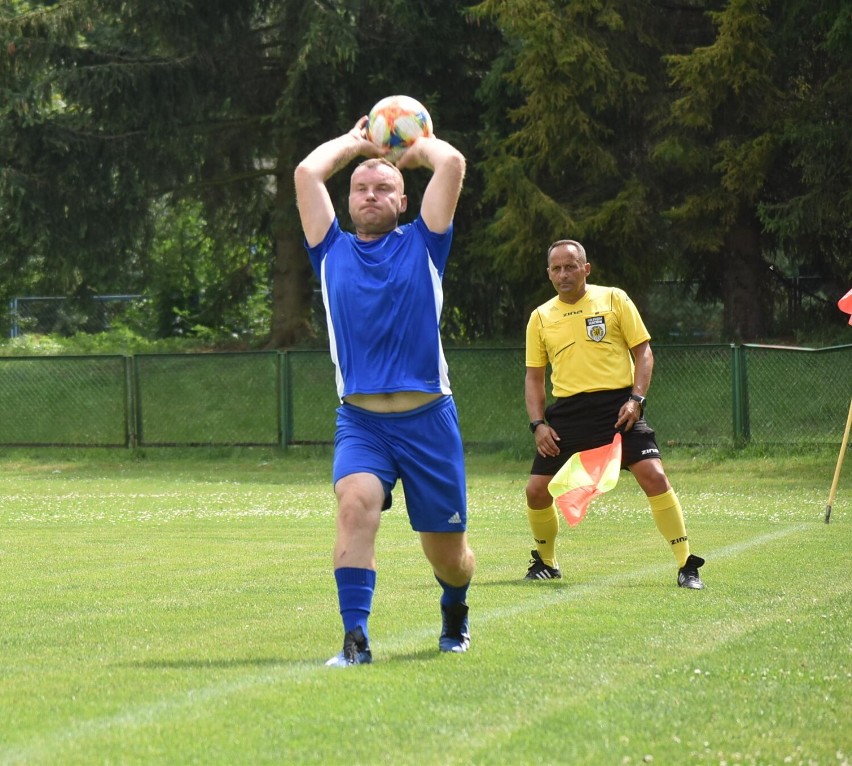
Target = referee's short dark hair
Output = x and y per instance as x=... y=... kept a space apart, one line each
x=571 y=243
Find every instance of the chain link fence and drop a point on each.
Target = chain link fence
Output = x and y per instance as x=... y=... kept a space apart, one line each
x=64 y=400
x=712 y=395
x=195 y=399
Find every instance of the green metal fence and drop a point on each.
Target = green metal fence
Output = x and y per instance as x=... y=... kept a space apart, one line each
x=64 y=400
x=713 y=395
x=190 y=399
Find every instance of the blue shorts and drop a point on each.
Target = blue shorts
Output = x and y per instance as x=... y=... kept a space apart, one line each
x=422 y=448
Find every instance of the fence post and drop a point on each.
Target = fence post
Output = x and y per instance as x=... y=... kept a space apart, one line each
x=15 y=330
x=137 y=402
x=739 y=382
x=285 y=399
x=130 y=398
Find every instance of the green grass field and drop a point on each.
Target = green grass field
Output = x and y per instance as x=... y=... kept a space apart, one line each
x=177 y=608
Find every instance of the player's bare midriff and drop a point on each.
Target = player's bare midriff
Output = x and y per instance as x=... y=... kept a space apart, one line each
x=398 y=401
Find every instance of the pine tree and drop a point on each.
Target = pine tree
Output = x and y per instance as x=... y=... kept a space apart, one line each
x=582 y=84
x=111 y=106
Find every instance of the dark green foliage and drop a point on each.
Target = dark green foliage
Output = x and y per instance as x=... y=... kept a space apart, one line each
x=760 y=155
x=114 y=106
x=148 y=147
x=581 y=88
x=700 y=140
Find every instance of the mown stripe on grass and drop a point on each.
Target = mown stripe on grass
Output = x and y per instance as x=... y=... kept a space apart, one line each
x=49 y=745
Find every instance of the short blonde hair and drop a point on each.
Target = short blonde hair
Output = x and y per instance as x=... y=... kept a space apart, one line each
x=378 y=161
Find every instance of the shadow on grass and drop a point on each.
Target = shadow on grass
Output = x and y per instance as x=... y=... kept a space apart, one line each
x=206 y=664
x=522 y=583
x=419 y=655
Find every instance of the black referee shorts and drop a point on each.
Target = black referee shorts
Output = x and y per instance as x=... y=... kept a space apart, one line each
x=585 y=421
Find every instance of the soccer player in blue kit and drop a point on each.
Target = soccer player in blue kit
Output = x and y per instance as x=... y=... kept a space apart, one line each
x=397 y=419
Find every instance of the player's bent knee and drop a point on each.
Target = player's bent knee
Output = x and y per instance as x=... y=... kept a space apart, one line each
x=356 y=517
x=538 y=496
x=449 y=554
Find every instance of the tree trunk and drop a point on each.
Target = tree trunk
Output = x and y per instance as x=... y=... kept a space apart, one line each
x=292 y=290
x=745 y=285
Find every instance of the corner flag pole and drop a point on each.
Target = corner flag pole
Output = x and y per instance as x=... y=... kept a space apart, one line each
x=839 y=464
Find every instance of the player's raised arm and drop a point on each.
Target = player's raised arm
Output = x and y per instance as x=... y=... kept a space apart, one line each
x=315 y=207
x=442 y=193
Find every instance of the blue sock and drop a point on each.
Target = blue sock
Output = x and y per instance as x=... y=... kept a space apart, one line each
x=452 y=594
x=355 y=589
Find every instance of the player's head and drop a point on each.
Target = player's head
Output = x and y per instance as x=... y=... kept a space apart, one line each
x=567 y=269
x=376 y=197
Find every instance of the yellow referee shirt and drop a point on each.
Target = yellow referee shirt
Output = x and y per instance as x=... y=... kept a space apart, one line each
x=586 y=343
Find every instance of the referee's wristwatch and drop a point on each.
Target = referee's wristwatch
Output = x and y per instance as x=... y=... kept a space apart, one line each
x=535 y=424
x=640 y=400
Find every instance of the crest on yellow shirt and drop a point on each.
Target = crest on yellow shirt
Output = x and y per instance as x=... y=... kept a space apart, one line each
x=596 y=328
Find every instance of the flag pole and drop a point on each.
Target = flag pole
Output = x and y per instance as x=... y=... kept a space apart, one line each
x=839 y=464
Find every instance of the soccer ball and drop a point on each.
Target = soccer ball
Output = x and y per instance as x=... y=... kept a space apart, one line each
x=396 y=121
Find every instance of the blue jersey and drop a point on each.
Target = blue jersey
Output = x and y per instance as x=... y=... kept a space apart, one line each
x=383 y=302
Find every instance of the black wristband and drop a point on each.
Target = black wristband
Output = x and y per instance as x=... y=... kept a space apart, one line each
x=640 y=400
x=535 y=424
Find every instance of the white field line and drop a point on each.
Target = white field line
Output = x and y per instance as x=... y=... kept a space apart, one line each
x=548 y=596
x=48 y=746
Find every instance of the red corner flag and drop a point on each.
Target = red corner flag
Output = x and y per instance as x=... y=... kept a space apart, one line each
x=845 y=304
x=586 y=475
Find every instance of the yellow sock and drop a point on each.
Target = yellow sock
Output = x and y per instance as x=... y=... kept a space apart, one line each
x=668 y=516
x=545 y=526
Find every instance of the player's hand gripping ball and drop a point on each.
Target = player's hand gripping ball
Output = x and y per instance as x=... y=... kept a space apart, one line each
x=397 y=121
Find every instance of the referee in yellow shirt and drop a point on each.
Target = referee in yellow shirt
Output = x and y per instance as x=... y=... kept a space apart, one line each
x=601 y=362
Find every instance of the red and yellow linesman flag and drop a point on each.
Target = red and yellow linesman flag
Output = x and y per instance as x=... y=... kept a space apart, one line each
x=586 y=475
x=845 y=304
